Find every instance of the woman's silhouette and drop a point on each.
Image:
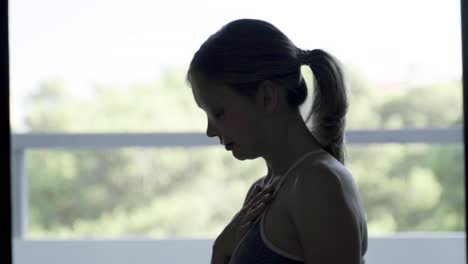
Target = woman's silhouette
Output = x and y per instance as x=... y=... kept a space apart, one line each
x=247 y=79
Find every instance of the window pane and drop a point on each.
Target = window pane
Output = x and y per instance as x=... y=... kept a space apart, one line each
x=135 y=191
x=410 y=188
x=109 y=74
x=152 y=193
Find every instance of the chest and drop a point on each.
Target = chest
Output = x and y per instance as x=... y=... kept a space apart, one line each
x=278 y=227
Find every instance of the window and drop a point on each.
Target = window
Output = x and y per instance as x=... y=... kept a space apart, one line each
x=108 y=143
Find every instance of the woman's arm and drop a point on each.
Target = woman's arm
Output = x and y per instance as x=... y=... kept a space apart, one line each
x=326 y=224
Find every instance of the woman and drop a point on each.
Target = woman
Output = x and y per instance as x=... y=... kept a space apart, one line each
x=247 y=79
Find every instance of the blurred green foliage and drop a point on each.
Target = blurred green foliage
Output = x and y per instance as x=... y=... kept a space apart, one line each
x=194 y=192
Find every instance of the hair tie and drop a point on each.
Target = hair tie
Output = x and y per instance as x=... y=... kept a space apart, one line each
x=305 y=56
x=302 y=56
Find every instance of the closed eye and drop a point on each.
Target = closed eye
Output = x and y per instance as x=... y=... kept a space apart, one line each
x=219 y=114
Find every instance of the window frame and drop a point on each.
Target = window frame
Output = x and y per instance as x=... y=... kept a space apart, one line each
x=20 y=143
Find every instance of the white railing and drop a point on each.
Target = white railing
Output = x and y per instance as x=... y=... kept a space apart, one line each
x=440 y=248
x=404 y=248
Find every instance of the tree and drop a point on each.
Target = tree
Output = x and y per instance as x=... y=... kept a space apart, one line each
x=155 y=191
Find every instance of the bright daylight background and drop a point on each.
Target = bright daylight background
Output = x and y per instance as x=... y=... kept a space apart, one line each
x=93 y=66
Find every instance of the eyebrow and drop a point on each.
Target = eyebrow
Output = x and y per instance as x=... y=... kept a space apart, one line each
x=210 y=109
x=196 y=102
x=199 y=106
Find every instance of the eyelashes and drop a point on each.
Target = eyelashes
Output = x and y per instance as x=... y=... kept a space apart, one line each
x=219 y=114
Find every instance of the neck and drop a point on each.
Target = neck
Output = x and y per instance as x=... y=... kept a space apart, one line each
x=286 y=146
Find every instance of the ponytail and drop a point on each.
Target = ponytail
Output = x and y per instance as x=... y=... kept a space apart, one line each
x=245 y=52
x=329 y=101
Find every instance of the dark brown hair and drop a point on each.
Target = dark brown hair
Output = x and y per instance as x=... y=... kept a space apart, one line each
x=245 y=52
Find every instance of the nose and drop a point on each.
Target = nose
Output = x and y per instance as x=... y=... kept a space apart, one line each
x=210 y=130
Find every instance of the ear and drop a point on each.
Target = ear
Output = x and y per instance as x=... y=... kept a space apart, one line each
x=268 y=96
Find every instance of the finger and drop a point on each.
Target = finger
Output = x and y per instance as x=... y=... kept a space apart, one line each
x=265 y=198
x=245 y=225
x=254 y=203
x=258 y=207
x=254 y=212
x=259 y=197
x=255 y=191
x=258 y=188
x=265 y=190
x=269 y=188
x=253 y=200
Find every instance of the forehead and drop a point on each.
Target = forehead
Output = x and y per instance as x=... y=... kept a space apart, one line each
x=209 y=93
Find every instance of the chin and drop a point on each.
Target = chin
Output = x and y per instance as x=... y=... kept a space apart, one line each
x=239 y=156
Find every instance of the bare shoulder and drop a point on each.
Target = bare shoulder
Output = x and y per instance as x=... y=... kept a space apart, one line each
x=326 y=210
x=321 y=172
x=325 y=176
x=319 y=183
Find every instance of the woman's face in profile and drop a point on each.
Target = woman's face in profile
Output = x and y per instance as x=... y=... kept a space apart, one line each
x=231 y=117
